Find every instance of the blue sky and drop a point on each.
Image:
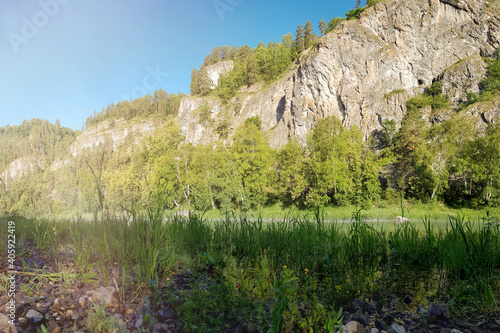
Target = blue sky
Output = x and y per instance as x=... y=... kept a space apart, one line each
x=66 y=58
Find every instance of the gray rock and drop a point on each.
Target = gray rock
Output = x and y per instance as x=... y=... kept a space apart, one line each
x=165 y=314
x=439 y=311
x=374 y=330
x=398 y=328
x=354 y=327
x=22 y=322
x=43 y=307
x=216 y=70
x=357 y=304
x=381 y=325
x=158 y=328
x=461 y=78
x=5 y=326
x=105 y=295
x=138 y=319
x=362 y=318
x=34 y=317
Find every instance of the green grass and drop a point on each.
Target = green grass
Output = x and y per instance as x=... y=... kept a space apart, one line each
x=383 y=212
x=251 y=272
x=394 y=92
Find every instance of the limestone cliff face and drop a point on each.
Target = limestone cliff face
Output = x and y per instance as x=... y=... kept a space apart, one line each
x=215 y=71
x=365 y=70
x=111 y=133
x=19 y=168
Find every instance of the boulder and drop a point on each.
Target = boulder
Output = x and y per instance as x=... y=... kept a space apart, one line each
x=5 y=326
x=354 y=327
x=105 y=295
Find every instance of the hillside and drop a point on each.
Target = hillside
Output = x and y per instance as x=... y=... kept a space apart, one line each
x=395 y=46
x=397 y=98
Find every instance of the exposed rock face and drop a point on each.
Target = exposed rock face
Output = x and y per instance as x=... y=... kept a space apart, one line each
x=112 y=133
x=488 y=111
x=461 y=78
x=394 y=46
x=215 y=71
x=19 y=168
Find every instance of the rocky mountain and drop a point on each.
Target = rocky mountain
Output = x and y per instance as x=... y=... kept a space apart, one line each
x=364 y=71
x=113 y=133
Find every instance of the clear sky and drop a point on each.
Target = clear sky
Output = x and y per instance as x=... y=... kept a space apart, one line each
x=66 y=58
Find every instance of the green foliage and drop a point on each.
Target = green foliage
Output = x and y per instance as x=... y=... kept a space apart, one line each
x=205 y=117
x=371 y=3
x=489 y=86
x=253 y=156
x=409 y=139
x=354 y=14
x=337 y=169
x=37 y=139
x=161 y=104
x=334 y=23
x=432 y=98
x=394 y=92
x=99 y=321
x=323 y=28
x=492 y=80
x=291 y=169
x=263 y=63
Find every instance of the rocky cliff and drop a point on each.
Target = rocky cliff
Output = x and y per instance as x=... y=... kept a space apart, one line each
x=19 y=168
x=365 y=71
x=114 y=133
x=215 y=71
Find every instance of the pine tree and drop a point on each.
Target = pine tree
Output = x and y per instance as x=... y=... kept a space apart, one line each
x=195 y=82
x=308 y=32
x=323 y=28
x=299 y=39
x=334 y=22
x=409 y=138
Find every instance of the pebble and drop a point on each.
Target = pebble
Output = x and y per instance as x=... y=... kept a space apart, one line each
x=82 y=301
x=354 y=327
x=398 y=328
x=34 y=317
x=57 y=303
x=166 y=313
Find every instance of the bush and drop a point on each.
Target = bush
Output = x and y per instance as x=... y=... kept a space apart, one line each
x=354 y=14
x=432 y=97
x=371 y=3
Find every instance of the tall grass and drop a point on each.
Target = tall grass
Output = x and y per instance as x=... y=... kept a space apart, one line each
x=270 y=268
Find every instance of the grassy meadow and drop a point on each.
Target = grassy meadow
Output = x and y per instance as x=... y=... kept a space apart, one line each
x=292 y=274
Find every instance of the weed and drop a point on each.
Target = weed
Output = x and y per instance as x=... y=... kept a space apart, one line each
x=99 y=321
